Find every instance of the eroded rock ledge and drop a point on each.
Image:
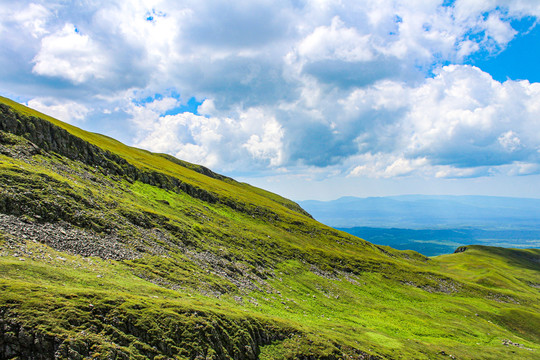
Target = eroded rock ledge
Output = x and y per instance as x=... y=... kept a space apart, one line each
x=51 y=138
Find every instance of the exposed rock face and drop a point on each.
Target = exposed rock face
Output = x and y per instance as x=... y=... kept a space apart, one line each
x=17 y=342
x=210 y=336
x=49 y=137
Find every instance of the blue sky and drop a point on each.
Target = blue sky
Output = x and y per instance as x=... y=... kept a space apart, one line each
x=310 y=99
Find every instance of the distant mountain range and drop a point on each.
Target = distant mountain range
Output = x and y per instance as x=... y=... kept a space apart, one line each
x=428 y=212
x=434 y=225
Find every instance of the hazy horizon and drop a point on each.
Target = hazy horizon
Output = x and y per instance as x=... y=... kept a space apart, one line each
x=422 y=195
x=428 y=212
x=434 y=225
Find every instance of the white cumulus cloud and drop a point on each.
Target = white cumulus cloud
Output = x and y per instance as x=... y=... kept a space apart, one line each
x=461 y=123
x=70 y=55
x=267 y=146
x=253 y=136
x=367 y=88
x=336 y=42
x=69 y=111
x=34 y=19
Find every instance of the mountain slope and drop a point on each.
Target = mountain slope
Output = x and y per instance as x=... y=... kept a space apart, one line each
x=108 y=251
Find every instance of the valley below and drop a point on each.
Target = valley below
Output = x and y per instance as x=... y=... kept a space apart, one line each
x=434 y=242
x=434 y=225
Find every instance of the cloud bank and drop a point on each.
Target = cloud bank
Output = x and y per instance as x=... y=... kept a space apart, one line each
x=377 y=89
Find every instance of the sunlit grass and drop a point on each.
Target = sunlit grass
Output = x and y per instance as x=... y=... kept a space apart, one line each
x=320 y=292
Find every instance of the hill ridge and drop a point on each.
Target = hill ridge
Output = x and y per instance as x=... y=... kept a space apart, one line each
x=41 y=132
x=104 y=255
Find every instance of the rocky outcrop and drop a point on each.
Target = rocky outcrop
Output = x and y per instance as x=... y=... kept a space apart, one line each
x=17 y=342
x=52 y=138
x=460 y=249
x=45 y=135
x=123 y=336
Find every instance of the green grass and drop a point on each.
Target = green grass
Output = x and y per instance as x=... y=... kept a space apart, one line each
x=214 y=281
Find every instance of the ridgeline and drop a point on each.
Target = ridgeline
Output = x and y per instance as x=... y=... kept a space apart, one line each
x=112 y=252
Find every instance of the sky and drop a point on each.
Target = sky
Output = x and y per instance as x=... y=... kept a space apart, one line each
x=310 y=99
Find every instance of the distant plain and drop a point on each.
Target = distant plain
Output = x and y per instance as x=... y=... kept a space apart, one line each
x=434 y=225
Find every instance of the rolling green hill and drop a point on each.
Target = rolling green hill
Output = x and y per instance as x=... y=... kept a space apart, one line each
x=112 y=252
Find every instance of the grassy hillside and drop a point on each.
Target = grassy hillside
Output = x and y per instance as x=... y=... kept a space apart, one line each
x=112 y=252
